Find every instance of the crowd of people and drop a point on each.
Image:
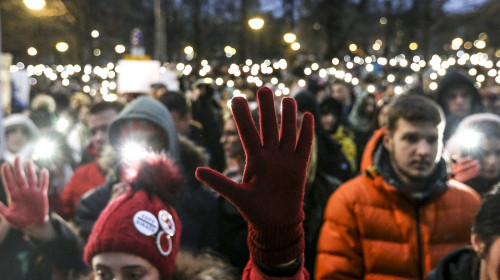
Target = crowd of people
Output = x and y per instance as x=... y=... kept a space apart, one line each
x=332 y=182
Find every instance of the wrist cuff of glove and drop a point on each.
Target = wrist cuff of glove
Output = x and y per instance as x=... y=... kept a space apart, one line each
x=276 y=245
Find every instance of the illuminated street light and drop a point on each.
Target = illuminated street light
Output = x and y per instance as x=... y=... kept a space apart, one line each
x=413 y=46
x=353 y=47
x=62 y=46
x=32 y=51
x=94 y=33
x=289 y=37
x=256 y=23
x=35 y=4
x=120 y=48
x=188 y=50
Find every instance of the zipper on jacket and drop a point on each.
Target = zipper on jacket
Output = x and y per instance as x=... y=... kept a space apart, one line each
x=419 y=245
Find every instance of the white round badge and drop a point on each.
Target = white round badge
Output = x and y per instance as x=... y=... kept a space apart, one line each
x=166 y=222
x=146 y=223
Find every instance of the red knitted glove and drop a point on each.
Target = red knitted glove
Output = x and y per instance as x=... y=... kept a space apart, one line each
x=465 y=169
x=271 y=194
x=26 y=197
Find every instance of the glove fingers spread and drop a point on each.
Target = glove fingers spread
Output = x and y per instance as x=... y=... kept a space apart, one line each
x=306 y=135
x=288 y=125
x=44 y=181
x=19 y=175
x=8 y=180
x=219 y=183
x=31 y=174
x=268 y=122
x=246 y=127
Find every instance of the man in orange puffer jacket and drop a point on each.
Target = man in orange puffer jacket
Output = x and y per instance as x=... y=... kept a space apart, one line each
x=402 y=214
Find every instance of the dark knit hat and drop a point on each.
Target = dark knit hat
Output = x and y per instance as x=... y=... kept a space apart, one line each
x=142 y=222
x=330 y=105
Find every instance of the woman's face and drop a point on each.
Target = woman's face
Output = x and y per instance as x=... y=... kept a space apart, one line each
x=490 y=160
x=16 y=139
x=231 y=140
x=123 y=266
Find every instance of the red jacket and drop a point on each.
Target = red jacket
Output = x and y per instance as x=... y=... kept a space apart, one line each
x=85 y=178
x=372 y=231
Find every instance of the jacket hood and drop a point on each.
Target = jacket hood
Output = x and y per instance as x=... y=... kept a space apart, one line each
x=375 y=163
x=453 y=79
x=148 y=109
x=460 y=264
x=22 y=120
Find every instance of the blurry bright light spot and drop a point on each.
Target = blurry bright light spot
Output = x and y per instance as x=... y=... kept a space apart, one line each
x=65 y=82
x=383 y=20
x=415 y=67
x=32 y=51
x=480 y=44
x=97 y=52
x=492 y=73
x=219 y=81
x=286 y=91
x=409 y=80
x=353 y=47
x=398 y=90
x=413 y=46
x=256 y=23
x=295 y=46
x=335 y=61
x=355 y=81
x=274 y=81
x=133 y=152
x=349 y=65
x=433 y=76
x=248 y=62
x=85 y=78
x=348 y=77
x=370 y=67
x=391 y=78
x=62 y=46
x=382 y=61
x=403 y=63
x=120 y=48
x=44 y=149
x=433 y=86
x=188 y=50
x=301 y=83
x=468 y=45
x=456 y=43
x=204 y=62
x=371 y=88
x=110 y=97
x=315 y=66
x=230 y=83
x=277 y=92
x=62 y=124
x=112 y=85
x=322 y=73
x=289 y=37
x=180 y=66
x=472 y=71
x=94 y=33
x=441 y=72
x=86 y=89
x=470 y=139
x=480 y=78
x=35 y=4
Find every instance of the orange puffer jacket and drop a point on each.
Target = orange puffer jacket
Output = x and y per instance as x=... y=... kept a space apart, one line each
x=372 y=231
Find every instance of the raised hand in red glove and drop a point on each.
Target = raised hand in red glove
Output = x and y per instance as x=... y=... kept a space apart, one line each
x=271 y=194
x=465 y=169
x=26 y=197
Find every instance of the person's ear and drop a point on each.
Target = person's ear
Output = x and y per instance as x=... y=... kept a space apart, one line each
x=388 y=140
x=477 y=244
